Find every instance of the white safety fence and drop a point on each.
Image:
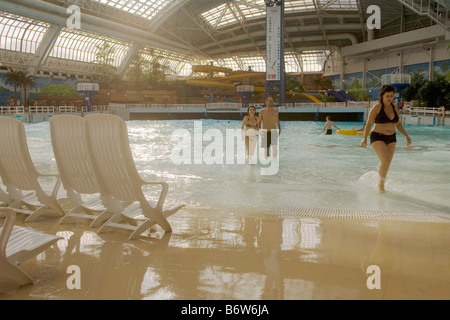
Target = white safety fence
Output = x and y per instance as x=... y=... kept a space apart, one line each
x=52 y=109
x=12 y=110
x=435 y=112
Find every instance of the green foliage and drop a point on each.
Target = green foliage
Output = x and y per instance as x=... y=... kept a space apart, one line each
x=105 y=54
x=294 y=85
x=185 y=90
x=356 y=90
x=432 y=94
x=412 y=92
x=326 y=98
x=435 y=93
x=322 y=83
x=58 y=90
x=20 y=79
x=13 y=78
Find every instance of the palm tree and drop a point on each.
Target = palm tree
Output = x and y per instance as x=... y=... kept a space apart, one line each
x=13 y=78
x=105 y=55
x=136 y=71
x=105 y=58
x=26 y=81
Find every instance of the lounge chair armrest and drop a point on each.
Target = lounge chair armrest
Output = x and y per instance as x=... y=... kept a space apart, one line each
x=7 y=228
x=162 y=197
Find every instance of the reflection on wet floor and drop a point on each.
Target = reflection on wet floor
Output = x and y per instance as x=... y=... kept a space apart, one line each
x=212 y=256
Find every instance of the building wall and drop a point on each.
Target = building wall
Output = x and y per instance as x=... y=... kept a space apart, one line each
x=429 y=59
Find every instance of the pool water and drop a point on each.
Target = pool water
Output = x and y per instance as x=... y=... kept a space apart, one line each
x=315 y=170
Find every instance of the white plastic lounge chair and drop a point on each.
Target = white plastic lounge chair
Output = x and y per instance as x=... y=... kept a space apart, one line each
x=4 y=198
x=18 y=244
x=68 y=135
x=118 y=178
x=19 y=174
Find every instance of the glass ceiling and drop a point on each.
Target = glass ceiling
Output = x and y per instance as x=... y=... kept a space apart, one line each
x=145 y=8
x=22 y=34
x=229 y=13
x=78 y=45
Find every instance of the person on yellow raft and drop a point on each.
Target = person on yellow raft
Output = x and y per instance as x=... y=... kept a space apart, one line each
x=383 y=138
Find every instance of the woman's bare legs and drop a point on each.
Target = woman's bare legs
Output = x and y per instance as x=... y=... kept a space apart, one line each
x=385 y=153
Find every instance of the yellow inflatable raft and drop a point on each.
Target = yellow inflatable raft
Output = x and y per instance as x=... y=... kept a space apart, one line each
x=350 y=132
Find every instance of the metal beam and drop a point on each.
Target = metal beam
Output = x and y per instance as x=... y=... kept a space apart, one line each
x=131 y=54
x=293 y=29
x=44 y=49
x=166 y=13
x=399 y=41
x=205 y=27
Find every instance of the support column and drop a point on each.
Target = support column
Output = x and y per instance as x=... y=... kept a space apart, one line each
x=275 y=64
x=430 y=67
x=342 y=73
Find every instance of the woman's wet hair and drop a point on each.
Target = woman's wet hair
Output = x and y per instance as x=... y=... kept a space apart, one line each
x=385 y=89
x=248 y=110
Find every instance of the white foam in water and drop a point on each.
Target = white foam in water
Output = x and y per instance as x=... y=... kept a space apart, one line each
x=369 y=179
x=316 y=172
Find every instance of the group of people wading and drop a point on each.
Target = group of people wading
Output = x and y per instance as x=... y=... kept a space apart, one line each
x=384 y=117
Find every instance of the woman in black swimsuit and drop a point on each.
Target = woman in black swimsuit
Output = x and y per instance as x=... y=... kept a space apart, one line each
x=383 y=138
x=250 y=129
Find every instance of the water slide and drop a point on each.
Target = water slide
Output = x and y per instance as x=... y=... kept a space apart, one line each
x=226 y=82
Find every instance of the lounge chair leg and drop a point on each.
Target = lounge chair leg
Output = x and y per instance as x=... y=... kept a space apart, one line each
x=36 y=214
x=141 y=228
x=102 y=217
x=68 y=215
x=117 y=218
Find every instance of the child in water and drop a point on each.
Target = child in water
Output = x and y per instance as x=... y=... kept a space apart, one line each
x=328 y=126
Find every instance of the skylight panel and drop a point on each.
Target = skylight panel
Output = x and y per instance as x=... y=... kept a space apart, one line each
x=82 y=46
x=225 y=14
x=145 y=8
x=20 y=33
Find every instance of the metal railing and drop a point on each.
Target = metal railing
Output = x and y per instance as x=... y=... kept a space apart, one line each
x=238 y=106
x=435 y=112
x=437 y=10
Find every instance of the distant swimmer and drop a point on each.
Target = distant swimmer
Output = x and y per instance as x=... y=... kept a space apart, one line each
x=328 y=126
x=316 y=145
x=363 y=128
x=334 y=146
x=383 y=138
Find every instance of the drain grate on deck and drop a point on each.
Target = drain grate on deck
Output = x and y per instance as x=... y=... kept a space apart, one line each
x=345 y=214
